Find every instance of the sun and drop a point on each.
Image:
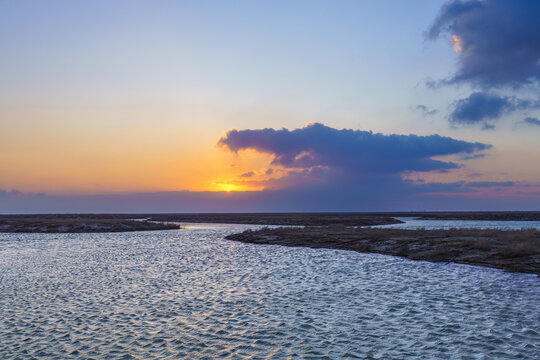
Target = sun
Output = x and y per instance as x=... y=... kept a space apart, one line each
x=229 y=186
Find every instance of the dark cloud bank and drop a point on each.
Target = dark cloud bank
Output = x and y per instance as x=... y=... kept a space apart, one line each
x=499 y=43
x=500 y=40
x=329 y=170
x=359 y=152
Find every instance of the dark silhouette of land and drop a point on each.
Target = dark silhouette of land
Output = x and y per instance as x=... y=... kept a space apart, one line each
x=21 y=224
x=517 y=251
x=298 y=219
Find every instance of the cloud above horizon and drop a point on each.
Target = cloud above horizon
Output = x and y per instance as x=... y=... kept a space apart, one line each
x=490 y=184
x=425 y=110
x=316 y=168
x=248 y=174
x=330 y=164
x=358 y=152
x=531 y=121
x=483 y=108
x=497 y=41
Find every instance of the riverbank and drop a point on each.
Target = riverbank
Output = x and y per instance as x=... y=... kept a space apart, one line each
x=76 y=225
x=514 y=251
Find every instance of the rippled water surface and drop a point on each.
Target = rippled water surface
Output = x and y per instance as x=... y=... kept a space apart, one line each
x=188 y=293
x=415 y=223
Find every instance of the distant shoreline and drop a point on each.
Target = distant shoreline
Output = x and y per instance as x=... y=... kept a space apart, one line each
x=78 y=225
x=294 y=218
x=510 y=250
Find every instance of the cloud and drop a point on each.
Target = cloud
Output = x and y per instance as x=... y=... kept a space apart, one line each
x=426 y=111
x=497 y=41
x=462 y=186
x=248 y=174
x=489 y=184
x=531 y=121
x=486 y=126
x=480 y=108
x=324 y=165
x=361 y=153
x=317 y=168
x=17 y=194
x=437 y=187
x=473 y=157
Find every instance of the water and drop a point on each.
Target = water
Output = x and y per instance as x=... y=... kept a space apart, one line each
x=188 y=293
x=415 y=223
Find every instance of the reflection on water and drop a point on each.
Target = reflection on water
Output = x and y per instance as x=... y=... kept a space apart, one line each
x=188 y=293
x=414 y=223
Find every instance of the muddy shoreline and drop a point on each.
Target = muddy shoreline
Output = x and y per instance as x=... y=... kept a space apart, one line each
x=513 y=251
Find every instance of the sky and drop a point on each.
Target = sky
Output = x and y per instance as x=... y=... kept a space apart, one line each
x=203 y=106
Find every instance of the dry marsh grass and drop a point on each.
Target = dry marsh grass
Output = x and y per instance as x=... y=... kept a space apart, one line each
x=513 y=250
x=525 y=243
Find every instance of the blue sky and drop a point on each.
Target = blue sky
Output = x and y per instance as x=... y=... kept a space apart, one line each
x=341 y=56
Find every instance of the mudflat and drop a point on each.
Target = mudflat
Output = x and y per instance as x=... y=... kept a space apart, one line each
x=515 y=251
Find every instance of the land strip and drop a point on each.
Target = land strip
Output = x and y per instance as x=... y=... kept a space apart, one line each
x=306 y=219
x=77 y=225
x=515 y=251
x=298 y=219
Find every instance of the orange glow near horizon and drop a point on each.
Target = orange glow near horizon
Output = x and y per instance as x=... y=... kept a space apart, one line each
x=115 y=156
x=121 y=152
x=81 y=172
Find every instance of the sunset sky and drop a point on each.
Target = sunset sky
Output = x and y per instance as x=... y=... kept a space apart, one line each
x=195 y=106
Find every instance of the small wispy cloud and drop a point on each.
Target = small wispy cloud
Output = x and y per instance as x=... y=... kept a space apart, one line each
x=531 y=121
x=425 y=110
x=248 y=174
